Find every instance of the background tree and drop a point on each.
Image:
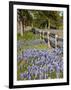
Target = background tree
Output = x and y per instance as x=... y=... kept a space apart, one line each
x=24 y=18
x=48 y=19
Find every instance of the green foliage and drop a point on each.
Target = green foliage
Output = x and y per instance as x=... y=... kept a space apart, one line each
x=24 y=14
x=41 y=19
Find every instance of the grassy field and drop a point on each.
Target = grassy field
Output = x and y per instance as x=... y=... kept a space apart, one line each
x=22 y=65
x=27 y=36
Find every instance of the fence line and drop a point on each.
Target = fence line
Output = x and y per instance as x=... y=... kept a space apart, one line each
x=48 y=34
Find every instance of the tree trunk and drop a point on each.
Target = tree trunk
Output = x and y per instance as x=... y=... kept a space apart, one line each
x=21 y=28
x=46 y=26
x=32 y=25
x=23 y=25
x=49 y=24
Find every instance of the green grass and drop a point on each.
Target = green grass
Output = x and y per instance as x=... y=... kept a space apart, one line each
x=27 y=36
x=41 y=46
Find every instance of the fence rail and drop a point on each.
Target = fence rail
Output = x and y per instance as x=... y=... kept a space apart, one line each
x=52 y=39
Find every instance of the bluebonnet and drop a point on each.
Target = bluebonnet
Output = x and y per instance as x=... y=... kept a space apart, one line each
x=43 y=62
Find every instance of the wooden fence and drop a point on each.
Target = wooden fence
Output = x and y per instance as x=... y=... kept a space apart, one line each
x=46 y=35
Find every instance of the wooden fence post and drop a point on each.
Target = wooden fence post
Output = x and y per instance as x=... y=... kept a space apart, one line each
x=56 y=36
x=48 y=39
x=43 y=35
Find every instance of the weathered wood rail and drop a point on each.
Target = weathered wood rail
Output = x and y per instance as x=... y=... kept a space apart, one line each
x=53 y=40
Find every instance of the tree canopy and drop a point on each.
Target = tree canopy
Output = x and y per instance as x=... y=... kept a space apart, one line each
x=40 y=18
